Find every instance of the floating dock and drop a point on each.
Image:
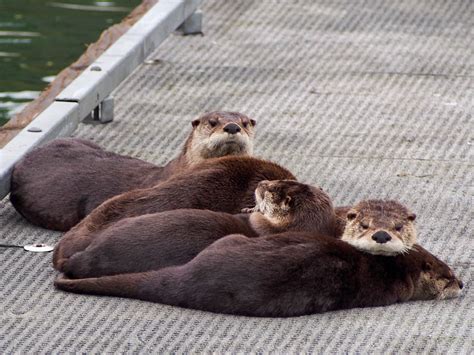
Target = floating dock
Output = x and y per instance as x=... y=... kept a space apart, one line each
x=367 y=99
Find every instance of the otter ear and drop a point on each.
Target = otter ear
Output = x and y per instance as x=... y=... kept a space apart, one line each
x=411 y=217
x=352 y=214
x=287 y=200
x=427 y=266
x=196 y=123
x=253 y=122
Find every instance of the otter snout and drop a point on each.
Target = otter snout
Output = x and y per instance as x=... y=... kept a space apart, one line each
x=262 y=186
x=232 y=128
x=452 y=289
x=381 y=237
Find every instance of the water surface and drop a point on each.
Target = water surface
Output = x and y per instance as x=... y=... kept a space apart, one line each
x=39 y=38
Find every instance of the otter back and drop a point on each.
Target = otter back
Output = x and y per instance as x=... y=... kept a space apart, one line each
x=58 y=184
x=281 y=276
x=150 y=242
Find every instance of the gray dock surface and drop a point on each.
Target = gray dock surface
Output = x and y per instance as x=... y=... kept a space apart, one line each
x=368 y=99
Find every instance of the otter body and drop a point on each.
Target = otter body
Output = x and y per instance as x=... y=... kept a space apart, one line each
x=149 y=242
x=224 y=184
x=154 y=241
x=57 y=185
x=290 y=274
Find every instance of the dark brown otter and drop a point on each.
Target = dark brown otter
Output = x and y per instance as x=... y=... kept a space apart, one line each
x=290 y=274
x=154 y=241
x=224 y=184
x=57 y=185
x=288 y=205
x=382 y=227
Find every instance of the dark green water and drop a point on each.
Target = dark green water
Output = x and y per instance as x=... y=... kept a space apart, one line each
x=39 y=38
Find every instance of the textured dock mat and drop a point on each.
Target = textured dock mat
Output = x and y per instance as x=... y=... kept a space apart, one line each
x=368 y=99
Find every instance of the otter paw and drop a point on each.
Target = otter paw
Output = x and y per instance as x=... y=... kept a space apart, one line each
x=249 y=210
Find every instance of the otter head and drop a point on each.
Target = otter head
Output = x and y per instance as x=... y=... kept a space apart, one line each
x=291 y=205
x=435 y=279
x=380 y=227
x=217 y=134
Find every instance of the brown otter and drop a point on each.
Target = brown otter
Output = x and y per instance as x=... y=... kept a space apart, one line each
x=57 y=185
x=154 y=241
x=290 y=274
x=381 y=227
x=224 y=184
x=288 y=205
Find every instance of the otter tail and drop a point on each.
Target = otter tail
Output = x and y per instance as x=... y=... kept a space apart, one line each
x=123 y=285
x=138 y=285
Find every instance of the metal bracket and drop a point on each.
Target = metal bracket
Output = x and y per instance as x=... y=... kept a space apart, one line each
x=193 y=24
x=104 y=113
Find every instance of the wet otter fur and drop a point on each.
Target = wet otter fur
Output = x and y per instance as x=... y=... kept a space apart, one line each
x=57 y=185
x=224 y=184
x=154 y=241
x=382 y=227
x=283 y=275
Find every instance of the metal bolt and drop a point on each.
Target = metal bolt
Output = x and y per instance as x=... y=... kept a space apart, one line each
x=96 y=68
x=35 y=129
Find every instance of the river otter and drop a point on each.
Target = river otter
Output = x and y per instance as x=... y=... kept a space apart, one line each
x=288 y=205
x=381 y=227
x=224 y=184
x=154 y=241
x=290 y=274
x=57 y=185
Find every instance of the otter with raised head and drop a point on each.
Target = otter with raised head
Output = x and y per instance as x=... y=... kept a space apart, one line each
x=154 y=241
x=288 y=205
x=283 y=275
x=224 y=184
x=381 y=227
x=57 y=185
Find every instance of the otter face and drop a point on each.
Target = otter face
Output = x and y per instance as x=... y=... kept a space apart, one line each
x=436 y=280
x=272 y=199
x=283 y=198
x=218 y=134
x=380 y=227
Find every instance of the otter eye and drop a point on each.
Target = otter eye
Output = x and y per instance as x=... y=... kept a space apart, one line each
x=351 y=215
x=245 y=124
x=427 y=265
x=212 y=123
x=364 y=225
x=398 y=227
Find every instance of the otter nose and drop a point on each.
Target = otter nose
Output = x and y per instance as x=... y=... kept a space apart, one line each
x=232 y=128
x=461 y=285
x=381 y=237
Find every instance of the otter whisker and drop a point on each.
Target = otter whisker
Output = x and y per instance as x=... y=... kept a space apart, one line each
x=405 y=250
x=360 y=236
